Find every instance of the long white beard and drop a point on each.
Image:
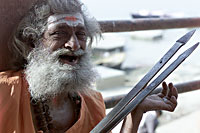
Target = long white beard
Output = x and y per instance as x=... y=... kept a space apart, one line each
x=47 y=77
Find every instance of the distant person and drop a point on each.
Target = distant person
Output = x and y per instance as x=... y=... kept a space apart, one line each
x=47 y=87
x=149 y=122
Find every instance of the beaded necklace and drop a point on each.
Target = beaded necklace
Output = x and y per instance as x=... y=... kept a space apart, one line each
x=43 y=120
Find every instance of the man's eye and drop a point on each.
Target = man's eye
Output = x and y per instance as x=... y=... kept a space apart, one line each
x=81 y=35
x=58 y=33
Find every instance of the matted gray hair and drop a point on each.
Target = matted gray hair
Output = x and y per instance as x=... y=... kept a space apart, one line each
x=30 y=30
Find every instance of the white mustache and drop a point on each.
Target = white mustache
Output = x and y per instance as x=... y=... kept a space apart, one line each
x=64 y=51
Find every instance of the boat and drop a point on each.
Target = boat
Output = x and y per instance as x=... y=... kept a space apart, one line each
x=154 y=14
x=151 y=34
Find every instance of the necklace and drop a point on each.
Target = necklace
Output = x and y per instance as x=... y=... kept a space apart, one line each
x=43 y=120
x=42 y=116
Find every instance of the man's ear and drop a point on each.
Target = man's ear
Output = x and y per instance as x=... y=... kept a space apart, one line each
x=28 y=36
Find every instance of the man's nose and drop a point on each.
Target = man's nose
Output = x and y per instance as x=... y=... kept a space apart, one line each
x=72 y=44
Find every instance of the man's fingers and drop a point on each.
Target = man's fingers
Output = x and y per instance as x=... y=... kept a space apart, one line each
x=165 y=89
x=175 y=92
x=173 y=100
x=173 y=103
x=170 y=85
x=172 y=91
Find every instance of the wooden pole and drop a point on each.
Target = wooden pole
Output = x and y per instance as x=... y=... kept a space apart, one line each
x=148 y=24
x=110 y=102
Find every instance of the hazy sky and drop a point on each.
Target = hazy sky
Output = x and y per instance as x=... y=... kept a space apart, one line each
x=121 y=9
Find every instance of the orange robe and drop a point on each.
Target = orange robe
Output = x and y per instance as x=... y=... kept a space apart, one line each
x=15 y=112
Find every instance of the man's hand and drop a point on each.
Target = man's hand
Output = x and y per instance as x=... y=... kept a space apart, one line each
x=165 y=100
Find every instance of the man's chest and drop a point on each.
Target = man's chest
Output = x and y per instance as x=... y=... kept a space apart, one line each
x=55 y=116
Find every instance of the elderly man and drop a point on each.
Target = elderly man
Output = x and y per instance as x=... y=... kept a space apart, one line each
x=48 y=88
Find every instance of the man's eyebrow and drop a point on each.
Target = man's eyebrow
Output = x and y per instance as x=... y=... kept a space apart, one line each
x=59 y=27
x=81 y=27
x=65 y=26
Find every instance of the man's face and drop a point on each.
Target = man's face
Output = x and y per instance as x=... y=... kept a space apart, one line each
x=64 y=64
x=68 y=32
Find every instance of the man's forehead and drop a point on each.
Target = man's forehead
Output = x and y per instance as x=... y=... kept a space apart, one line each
x=64 y=26
x=69 y=17
x=73 y=20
